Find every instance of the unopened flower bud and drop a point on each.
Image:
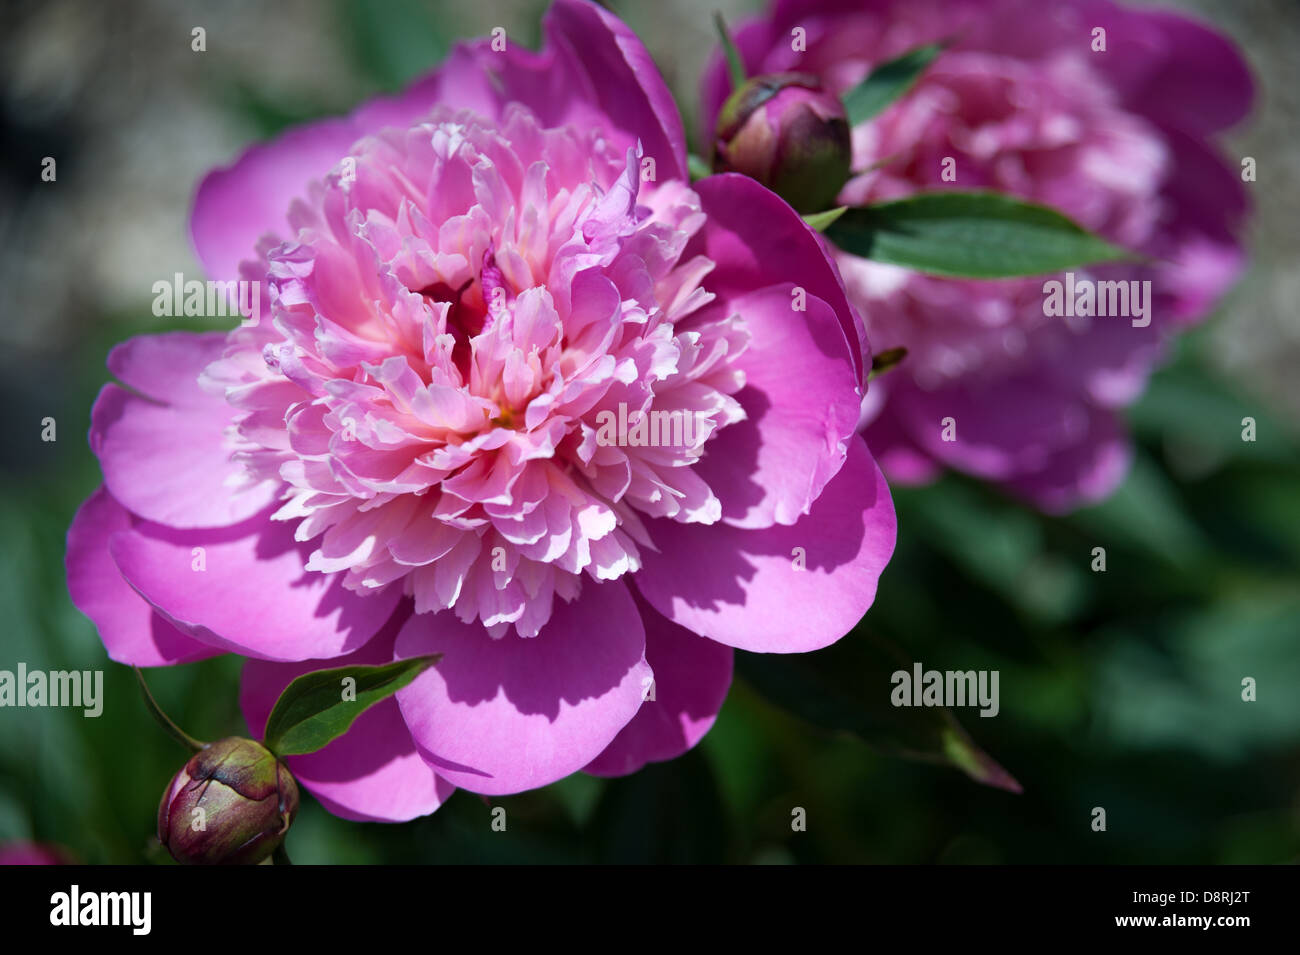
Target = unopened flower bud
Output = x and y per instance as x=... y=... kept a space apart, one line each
x=231 y=804
x=788 y=133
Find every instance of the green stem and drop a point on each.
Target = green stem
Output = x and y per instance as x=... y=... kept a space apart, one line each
x=164 y=721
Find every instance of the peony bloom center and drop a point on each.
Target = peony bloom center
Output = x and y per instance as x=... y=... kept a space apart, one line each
x=460 y=310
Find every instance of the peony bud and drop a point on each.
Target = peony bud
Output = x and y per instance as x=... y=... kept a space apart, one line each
x=788 y=133
x=231 y=804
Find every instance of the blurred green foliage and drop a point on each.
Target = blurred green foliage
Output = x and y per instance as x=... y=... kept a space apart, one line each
x=1119 y=689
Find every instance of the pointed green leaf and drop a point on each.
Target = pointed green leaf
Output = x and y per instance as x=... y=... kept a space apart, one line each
x=312 y=710
x=821 y=221
x=969 y=235
x=888 y=82
x=847 y=688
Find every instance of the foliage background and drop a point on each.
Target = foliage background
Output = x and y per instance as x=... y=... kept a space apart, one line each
x=1119 y=690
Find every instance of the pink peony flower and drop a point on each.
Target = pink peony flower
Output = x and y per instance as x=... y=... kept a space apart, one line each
x=1121 y=140
x=428 y=440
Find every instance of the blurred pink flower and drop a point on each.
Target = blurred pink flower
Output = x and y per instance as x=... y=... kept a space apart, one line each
x=404 y=455
x=1123 y=141
x=33 y=853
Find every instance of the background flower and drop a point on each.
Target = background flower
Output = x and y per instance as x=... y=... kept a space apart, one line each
x=1121 y=140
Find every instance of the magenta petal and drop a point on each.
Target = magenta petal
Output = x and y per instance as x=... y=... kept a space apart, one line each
x=745 y=588
x=610 y=64
x=691 y=677
x=166 y=367
x=132 y=633
x=802 y=404
x=756 y=240
x=254 y=597
x=502 y=716
x=164 y=455
x=371 y=773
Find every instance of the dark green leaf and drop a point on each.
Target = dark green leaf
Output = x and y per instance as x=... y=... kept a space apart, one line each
x=312 y=711
x=888 y=82
x=969 y=235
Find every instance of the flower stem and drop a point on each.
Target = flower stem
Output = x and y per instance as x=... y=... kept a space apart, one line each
x=164 y=721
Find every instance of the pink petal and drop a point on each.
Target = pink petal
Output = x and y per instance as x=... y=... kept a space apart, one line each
x=165 y=456
x=254 y=597
x=802 y=403
x=132 y=633
x=615 y=67
x=502 y=716
x=239 y=204
x=744 y=588
x=691 y=677
x=372 y=772
x=757 y=240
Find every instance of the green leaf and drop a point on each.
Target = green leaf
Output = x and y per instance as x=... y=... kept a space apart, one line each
x=847 y=687
x=821 y=221
x=312 y=711
x=887 y=83
x=735 y=65
x=969 y=235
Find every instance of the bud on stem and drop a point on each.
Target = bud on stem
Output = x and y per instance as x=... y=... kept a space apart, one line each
x=231 y=804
